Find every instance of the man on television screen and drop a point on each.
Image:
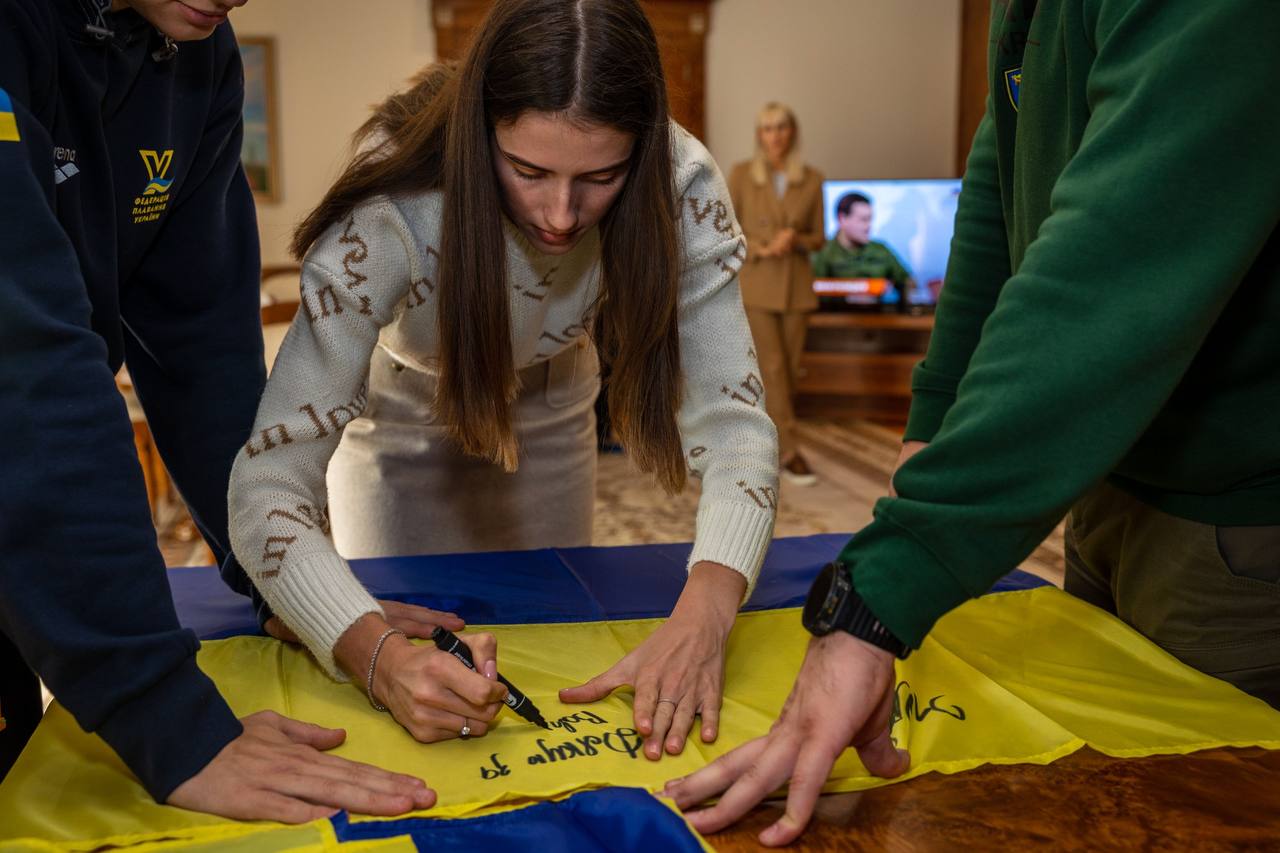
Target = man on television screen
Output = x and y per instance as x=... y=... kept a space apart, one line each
x=853 y=254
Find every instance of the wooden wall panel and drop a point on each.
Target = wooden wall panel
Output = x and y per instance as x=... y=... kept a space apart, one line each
x=975 y=26
x=680 y=26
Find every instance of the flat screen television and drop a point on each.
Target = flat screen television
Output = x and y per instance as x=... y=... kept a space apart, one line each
x=912 y=219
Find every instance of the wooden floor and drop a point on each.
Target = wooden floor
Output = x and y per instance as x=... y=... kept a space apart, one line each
x=852 y=458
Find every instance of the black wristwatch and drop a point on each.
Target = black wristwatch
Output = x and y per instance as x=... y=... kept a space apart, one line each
x=834 y=605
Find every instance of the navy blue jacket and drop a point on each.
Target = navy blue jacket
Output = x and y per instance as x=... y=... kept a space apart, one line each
x=127 y=235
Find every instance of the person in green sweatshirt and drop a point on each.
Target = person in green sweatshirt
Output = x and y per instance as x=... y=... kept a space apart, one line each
x=1102 y=347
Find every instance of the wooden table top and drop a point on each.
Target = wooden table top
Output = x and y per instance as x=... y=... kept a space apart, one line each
x=1221 y=799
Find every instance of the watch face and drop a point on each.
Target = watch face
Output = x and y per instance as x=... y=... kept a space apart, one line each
x=819 y=607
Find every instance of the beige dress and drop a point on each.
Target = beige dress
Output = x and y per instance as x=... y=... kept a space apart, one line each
x=397 y=486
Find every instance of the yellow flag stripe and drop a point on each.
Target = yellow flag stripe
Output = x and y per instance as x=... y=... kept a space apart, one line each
x=9 y=128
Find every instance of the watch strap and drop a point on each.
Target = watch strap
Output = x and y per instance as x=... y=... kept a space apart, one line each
x=857 y=619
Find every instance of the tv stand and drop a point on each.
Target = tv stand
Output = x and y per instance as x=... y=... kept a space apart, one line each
x=859 y=364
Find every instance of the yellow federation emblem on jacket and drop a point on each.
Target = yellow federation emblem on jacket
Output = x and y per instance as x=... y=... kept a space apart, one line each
x=155 y=196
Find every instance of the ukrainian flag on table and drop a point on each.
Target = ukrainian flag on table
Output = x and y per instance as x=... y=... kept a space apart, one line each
x=1021 y=677
x=8 y=121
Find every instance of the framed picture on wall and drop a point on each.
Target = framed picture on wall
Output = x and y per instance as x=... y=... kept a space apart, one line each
x=260 y=151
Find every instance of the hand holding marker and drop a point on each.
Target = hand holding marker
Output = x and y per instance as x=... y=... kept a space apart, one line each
x=446 y=641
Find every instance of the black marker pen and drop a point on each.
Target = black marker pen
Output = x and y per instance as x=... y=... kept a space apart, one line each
x=447 y=641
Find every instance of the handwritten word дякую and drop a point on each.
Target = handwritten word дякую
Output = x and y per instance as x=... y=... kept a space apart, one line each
x=621 y=740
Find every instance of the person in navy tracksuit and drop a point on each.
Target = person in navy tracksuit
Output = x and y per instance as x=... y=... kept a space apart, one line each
x=128 y=236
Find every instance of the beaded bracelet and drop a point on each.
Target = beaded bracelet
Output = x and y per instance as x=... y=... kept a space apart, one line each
x=373 y=661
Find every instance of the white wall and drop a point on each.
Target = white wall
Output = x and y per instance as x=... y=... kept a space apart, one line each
x=334 y=59
x=873 y=82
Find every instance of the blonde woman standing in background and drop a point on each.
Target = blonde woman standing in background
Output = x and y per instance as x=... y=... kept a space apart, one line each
x=778 y=199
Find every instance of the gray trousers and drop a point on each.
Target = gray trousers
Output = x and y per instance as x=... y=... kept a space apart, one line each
x=1210 y=596
x=398 y=486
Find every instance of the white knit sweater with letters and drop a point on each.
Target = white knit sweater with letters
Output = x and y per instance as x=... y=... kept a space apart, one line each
x=370 y=281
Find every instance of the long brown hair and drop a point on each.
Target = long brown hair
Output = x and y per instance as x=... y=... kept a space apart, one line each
x=595 y=61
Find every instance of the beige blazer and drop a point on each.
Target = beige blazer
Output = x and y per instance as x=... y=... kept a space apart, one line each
x=778 y=284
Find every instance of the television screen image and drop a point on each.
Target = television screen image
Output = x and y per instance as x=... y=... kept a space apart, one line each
x=897 y=235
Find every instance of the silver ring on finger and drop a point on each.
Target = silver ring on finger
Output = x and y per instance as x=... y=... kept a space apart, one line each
x=672 y=701
x=465 y=731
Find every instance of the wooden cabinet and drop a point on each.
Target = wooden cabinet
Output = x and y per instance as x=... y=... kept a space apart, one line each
x=859 y=365
x=681 y=28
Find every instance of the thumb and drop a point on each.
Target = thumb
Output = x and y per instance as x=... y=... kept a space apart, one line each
x=876 y=749
x=882 y=758
x=595 y=689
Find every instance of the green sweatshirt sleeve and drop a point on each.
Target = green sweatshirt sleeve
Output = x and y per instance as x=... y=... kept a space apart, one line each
x=1153 y=222
x=976 y=270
